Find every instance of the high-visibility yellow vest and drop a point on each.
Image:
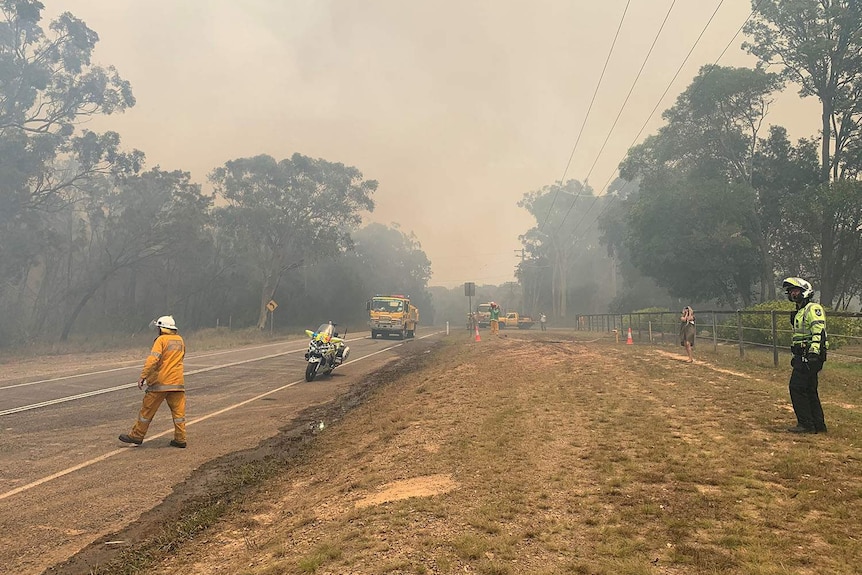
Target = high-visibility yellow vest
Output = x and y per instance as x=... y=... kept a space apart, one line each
x=809 y=330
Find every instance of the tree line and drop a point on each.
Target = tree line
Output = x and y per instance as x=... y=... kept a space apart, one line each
x=718 y=206
x=92 y=240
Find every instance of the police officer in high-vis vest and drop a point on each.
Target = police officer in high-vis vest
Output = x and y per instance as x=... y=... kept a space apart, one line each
x=809 y=352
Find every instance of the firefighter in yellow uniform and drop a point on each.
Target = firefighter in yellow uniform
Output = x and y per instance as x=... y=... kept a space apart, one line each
x=163 y=376
x=494 y=322
x=809 y=352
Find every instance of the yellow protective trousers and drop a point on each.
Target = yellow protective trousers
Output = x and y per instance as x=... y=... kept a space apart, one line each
x=495 y=326
x=176 y=400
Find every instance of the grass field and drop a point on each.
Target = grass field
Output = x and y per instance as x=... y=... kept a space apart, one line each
x=549 y=453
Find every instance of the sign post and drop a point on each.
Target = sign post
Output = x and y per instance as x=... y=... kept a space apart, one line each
x=271 y=305
x=469 y=291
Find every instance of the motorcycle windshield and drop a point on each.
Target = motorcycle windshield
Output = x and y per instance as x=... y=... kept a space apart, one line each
x=326 y=329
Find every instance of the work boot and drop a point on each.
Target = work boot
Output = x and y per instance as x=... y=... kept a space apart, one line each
x=126 y=438
x=820 y=429
x=801 y=429
x=180 y=444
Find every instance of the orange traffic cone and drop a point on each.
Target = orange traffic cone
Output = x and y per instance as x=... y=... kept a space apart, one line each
x=477 y=334
x=629 y=338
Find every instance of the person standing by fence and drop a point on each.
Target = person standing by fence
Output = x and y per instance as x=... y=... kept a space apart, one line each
x=809 y=352
x=687 y=331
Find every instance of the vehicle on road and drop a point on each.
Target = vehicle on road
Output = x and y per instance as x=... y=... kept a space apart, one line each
x=515 y=320
x=392 y=315
x=326 y=351
x=483 y=313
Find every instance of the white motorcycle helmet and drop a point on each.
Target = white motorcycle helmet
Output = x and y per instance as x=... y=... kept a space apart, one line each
x=795 y=282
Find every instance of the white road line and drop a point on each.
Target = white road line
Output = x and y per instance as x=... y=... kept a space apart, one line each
x=110 y=454
x=128 y=385
x=192 y=357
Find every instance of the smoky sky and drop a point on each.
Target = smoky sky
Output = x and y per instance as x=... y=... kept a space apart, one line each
x=456 y=107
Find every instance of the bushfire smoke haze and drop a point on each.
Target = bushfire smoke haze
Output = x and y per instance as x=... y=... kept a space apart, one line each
x=456 y=107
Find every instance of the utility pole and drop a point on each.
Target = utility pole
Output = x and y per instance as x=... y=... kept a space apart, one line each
x=522 y=253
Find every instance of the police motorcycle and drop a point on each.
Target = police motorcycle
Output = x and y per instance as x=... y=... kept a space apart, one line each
x=326 y=351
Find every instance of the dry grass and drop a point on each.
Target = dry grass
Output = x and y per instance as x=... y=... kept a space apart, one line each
x=520 y=454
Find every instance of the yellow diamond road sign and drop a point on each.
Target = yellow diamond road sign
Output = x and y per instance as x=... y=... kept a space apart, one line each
x=271 y=305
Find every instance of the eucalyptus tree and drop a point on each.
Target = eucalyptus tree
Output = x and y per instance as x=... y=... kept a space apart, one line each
x=691 y=235
x=786 y=177
x=392 y=261
x=48 y=85
x=383 y=260
x=633 y=290
x=817 y=44
x=156 y=215
x=283 y=214
x=711 y=137
x=563 y=247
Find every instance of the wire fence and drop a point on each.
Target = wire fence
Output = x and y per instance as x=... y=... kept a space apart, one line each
x=746 y=329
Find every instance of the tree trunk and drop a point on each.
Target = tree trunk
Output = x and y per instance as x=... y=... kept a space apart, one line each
x=79 y=307
x=266 y=294
x=564 y=289
x=826 y=249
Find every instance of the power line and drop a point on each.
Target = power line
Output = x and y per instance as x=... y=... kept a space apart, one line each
x=658 y=103
x=631 y=89
x=589 y=109
x=700 y=82
x=622 y=107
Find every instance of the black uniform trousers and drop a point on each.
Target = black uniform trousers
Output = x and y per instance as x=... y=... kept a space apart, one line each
x=804 y=396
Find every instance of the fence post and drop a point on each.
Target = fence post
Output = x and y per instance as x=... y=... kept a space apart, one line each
x=661 y=321
x=739 y=329
x=774 y=339
x=714 y=334
x=649 y=324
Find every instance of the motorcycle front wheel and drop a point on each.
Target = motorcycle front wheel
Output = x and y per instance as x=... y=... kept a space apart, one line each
x=311 y=371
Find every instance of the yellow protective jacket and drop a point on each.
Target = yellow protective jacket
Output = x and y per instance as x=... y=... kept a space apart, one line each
x=809 y=330
x=163 y=369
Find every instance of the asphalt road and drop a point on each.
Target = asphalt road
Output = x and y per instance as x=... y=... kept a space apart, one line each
x=66 y=480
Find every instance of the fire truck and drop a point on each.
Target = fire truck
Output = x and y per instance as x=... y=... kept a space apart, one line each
x=392 y=315
x=483 y=313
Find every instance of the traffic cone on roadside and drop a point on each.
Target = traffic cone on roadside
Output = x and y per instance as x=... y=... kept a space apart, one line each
x=477 y=334
x=629 y=338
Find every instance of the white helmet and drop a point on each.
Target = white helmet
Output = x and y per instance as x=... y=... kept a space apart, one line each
x=795 y=282
x=166 y=322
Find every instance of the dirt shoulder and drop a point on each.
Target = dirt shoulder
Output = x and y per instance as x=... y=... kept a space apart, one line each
x=527 y=453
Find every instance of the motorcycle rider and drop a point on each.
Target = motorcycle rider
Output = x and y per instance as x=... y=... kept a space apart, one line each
x=341 y=349
x=809 y=352
x=326 y=333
